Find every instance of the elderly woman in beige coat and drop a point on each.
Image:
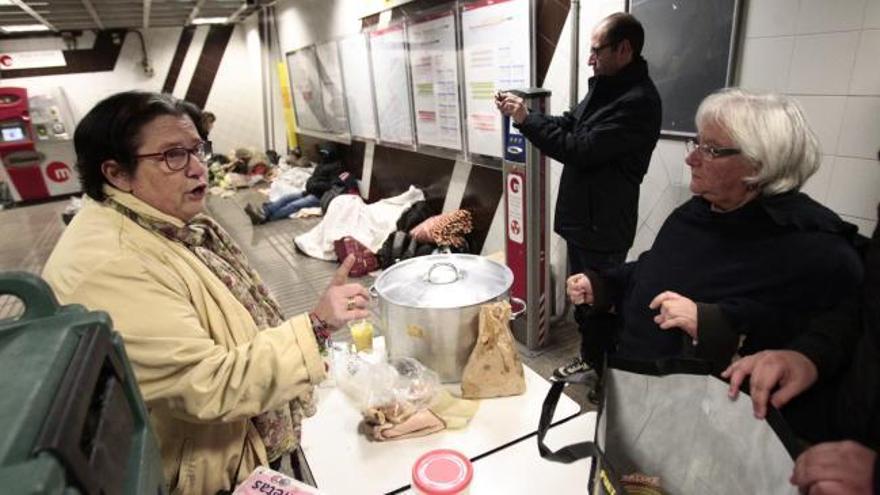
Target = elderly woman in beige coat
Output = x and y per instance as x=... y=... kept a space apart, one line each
x=226 y=377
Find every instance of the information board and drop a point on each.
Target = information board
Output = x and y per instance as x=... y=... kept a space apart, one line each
x=434 y=65
x=358 y=86
x=496 y=38
x=305 y=84
x=392 y=89
x=332 y=98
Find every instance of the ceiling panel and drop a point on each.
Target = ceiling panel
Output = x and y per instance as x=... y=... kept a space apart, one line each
x=73 y=14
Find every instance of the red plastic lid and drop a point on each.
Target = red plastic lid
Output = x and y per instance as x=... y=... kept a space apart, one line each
x=442 y=472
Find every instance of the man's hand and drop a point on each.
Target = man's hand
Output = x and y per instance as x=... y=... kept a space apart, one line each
x=511 y=105
x=342 y=301
x=835 y=468
x=790 y=371
x=676 y=311
x=579 y=289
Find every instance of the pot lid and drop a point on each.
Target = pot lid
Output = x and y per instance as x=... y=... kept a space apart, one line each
x=444 y=281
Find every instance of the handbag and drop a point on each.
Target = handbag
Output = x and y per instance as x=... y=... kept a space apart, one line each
x=364 y=259
x=672 y=420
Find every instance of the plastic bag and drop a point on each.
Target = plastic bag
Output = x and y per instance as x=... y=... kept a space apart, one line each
x=400 y=386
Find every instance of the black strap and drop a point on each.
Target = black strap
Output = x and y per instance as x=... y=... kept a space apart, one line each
x=574 y=452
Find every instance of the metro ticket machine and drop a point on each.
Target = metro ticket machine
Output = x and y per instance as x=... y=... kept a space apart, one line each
x=527 y=243
x=36 y=149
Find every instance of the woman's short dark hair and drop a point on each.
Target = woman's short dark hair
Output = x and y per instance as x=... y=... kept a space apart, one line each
x=111 y=131
x=622 y=26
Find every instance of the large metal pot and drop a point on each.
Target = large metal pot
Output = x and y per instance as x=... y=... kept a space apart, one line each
x=429 y=307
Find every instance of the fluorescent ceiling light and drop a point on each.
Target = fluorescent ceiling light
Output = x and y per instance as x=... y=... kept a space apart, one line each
x=23 y=28
x=209 y=20
x=4 y=3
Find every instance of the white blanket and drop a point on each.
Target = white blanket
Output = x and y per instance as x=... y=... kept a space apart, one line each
x=290 y=180
x=349 y=215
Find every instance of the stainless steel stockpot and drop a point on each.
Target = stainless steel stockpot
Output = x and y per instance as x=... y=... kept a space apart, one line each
x=429 y=307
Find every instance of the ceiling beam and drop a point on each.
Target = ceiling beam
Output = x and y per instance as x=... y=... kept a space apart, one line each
x=148 y=4
x=92 y=12
x=233 y=18
x=195 y=11
x=42 y=20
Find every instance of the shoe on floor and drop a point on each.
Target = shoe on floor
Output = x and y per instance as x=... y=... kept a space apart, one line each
x=257 y=216
x=577 y=365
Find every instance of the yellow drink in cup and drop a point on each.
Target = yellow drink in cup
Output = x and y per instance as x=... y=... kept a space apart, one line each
x=362 y=335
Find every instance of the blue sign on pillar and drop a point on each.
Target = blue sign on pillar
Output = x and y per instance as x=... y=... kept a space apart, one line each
x=514 y=142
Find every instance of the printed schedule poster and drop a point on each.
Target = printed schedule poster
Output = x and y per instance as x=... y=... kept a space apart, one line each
x=388 y=54
x=358 y=88
x=434 y=65
x=305 y=84
x=497 y=56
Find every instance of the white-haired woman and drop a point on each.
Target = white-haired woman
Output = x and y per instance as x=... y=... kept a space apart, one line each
x=748 y=256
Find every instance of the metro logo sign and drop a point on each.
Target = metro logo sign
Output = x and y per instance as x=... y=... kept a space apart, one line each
x=58 y=172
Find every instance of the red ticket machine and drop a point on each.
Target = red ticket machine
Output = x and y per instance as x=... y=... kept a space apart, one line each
x=21 y=161
x=36 y=165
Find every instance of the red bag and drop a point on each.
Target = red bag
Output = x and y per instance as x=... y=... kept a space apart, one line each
x=364 y=259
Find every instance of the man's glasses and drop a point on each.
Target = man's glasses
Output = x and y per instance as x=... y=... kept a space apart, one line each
x=709 y=152
x=178 y=158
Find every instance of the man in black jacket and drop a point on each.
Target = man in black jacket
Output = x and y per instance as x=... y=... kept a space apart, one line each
x=605 y=145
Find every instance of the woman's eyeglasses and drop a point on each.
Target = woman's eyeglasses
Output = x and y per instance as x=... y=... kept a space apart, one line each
x=709 y=152
x=178 y=158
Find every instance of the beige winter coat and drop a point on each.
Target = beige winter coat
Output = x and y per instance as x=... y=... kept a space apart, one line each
x=202 y=366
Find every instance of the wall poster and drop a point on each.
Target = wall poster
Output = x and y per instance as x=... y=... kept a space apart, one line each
x=358 y=87
x=497 y=56
x=434 y=64
x=389 y=61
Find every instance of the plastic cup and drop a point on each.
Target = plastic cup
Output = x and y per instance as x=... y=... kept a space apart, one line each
x=362 y=335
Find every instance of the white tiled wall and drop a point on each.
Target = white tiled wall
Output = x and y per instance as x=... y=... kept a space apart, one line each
x=827 y=55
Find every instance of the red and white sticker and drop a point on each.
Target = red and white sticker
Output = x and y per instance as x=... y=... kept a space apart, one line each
x=515 y=215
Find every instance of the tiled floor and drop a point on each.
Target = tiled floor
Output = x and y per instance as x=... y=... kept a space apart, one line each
x=28 y=234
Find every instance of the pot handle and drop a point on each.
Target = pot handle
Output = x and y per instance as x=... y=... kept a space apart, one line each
x=516 y=314
x=442 y=281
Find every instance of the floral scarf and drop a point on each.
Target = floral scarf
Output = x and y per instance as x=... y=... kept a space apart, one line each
x=280 y=429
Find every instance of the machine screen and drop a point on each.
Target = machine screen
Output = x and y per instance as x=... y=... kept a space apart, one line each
x=12 y=134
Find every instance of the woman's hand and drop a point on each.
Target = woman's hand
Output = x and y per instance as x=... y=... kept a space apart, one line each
x=777 y=376
x=676 y=311
x=342 y=301
x=579 y=289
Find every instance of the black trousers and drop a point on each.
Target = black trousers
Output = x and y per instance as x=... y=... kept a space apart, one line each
x=597 y=331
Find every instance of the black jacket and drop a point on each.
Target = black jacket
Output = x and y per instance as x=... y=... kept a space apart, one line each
x=764 y=269
x=845 y=346
x=323 y=178
x=605 y=145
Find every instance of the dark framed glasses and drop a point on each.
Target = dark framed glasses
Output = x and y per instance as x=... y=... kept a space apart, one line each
x=709 y=152
x=178 y=158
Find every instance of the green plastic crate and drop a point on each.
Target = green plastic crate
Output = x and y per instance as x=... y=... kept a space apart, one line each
x=73 y=420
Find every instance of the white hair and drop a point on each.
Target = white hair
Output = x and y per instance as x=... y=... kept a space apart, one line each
x=772 y=133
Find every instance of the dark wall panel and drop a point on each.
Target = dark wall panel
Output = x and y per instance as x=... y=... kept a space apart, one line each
x=395 y=170
x=209 y=62
x=481 y=196
x=352 y=155
x=186 y=36
x=551 y=17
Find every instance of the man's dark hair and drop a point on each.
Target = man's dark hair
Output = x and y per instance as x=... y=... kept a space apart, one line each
x=622 y=26
x=111 y=131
